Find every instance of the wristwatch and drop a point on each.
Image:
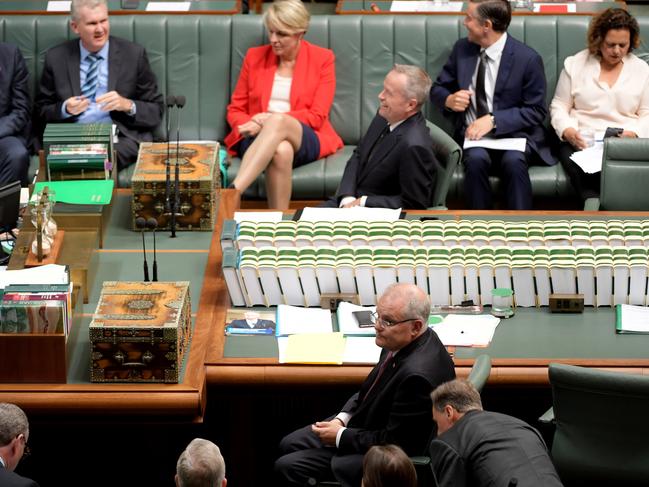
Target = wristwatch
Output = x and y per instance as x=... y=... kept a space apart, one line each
x=493 y=121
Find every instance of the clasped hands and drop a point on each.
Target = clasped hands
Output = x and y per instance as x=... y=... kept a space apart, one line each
x=327 y=431
x=459 y=102
x=108 y=102
x=254 y=125
x=574 y=138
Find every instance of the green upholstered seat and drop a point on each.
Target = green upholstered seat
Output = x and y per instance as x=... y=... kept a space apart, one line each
x=625 y=175
x=601 y=426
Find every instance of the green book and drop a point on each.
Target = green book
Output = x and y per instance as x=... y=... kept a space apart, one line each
x=88 y=192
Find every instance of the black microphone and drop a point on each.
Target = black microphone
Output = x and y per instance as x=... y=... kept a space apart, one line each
x=152 y=224
x=171 y=102
x=180 y=103
x=140 y=223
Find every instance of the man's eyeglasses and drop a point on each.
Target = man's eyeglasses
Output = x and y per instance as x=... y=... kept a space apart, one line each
x=383 y=323
x=26 y=449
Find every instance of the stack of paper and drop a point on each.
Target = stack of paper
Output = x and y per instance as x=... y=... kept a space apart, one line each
x=632 y=319
x=467 y=330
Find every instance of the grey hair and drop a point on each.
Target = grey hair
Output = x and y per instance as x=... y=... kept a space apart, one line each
x=200 y=465
x=418 y=84
x=13 y=422
x=416 y=303
x=77 y=4
x=459 y=394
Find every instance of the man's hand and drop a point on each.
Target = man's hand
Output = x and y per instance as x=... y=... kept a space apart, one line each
x=249 y=129
x=458 y=101
x=571 y=135
x=479 y=128
x=113 y=101
x=327 y=431
x=76 y=105
x=351 y=204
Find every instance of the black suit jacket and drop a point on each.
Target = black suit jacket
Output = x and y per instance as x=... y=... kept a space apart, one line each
x=12 y=479
x=486 y=449
x=14 y=93
x=129 y=74
x=398 y=408
x=403 y=169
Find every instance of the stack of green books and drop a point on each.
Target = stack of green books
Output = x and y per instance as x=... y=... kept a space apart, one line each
x=78 y=150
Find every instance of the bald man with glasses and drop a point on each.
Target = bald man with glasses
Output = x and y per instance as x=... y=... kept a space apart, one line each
x=14 y=433
x=392 y=405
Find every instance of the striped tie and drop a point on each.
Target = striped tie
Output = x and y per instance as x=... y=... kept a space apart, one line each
x=89 y=88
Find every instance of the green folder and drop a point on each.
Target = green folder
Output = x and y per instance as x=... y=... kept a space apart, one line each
x=86 y=192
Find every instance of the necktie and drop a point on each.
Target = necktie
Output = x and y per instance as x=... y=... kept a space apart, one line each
x=480 y=96
x=89 y=88
x=384 y=132
x=382 y=367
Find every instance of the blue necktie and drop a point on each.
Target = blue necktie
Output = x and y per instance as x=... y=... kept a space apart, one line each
x=89 y=88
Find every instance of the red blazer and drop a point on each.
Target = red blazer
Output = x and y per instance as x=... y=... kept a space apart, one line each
x=312 y=92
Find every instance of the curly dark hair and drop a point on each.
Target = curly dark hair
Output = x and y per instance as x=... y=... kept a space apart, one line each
x=612 y=18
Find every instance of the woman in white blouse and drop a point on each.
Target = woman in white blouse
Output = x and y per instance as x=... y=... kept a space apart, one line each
x=600 y=87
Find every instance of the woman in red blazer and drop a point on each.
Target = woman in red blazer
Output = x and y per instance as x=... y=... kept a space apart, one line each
x=279 y=111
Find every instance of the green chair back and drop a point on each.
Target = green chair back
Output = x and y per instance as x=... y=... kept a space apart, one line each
x=625 y=175
x=449 y=155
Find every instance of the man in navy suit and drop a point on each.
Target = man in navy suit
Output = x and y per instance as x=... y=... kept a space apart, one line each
x=14 y=433
x=502 y=96
x=14 y=116
x=393 y=165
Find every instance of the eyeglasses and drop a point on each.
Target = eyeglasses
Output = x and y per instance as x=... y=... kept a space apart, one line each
x=383 y=323
x=26 y=449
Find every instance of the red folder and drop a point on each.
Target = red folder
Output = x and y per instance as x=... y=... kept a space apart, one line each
x=560 y=8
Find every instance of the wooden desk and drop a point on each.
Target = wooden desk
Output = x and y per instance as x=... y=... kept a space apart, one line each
x=522 y=348
x=211 y=7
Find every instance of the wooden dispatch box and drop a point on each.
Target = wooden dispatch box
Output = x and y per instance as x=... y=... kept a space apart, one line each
x=140 y=332
x=198 y=181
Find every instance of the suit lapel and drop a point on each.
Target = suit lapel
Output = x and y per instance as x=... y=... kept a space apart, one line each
x=506 y=63
x=73 y=62
x=114 y=63
x=467 y=65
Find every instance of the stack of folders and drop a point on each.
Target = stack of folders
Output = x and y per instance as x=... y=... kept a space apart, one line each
x=37 y=300
x=270 y=276
x=449 y=233
x=78 y=150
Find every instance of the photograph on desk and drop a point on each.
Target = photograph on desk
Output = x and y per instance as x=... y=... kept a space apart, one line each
x=247 y=322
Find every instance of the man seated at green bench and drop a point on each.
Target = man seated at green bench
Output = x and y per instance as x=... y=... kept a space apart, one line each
x=393 y=165
x=100 y=78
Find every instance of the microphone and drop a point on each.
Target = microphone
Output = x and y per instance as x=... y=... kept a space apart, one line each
x=171 y=102
x=140 y=223
x=180 y=103
x=152 y=224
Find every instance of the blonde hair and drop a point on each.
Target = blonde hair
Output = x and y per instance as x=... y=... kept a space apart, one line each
x=287 y=15
x=76 y=5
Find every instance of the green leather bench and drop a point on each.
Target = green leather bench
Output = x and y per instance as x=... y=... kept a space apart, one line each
x=199 y=56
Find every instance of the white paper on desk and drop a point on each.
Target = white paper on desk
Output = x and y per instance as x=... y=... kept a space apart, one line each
x=282 y=343
x=361 y=350
x=356 y=213
x=58 y=6
x=168 y=6
x=45 y=274
x=467 y=330
x=348 y=324
x=425 y=6
x=258 y=216
x=634 y=318
x=508 y=143
x=572 y=7
x=590 y=159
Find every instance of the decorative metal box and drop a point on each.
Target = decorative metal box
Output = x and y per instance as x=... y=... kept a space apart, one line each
x=198 y=180
x=140 y=332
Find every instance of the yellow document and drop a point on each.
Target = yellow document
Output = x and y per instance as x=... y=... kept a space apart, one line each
x=315 y=348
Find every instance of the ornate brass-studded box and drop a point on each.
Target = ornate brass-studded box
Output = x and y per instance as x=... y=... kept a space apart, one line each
x=198 y=180
x=140 y=332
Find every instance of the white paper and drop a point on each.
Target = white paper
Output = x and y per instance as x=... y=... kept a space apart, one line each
x=357 y=213
x=425 y=6
x=58 y=6
x=361 y=350
x=347 y=323
x=44 y=274
x=467 y=330
x=257 y=216
x=168 y=6
x=508 y=143
x=634 y=318
x=292 y=319
x=24 y=196
x=282 y=343
x=572 y=7
x=590 y=159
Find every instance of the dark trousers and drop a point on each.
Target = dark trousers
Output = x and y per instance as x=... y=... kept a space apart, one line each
x=512 y=168
x=14 y=161
x=304 y=457
x=126 y=152
x=586 y=185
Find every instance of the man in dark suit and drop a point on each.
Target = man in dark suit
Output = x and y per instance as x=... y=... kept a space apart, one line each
x=484 y=449
x=393 y=165
x=392 y=405
x=101 y=78
x=14 y=433
x=14 y=116
x=493 y=86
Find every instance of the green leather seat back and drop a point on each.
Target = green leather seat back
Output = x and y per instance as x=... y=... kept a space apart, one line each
x=625 y=175
x=601 y=427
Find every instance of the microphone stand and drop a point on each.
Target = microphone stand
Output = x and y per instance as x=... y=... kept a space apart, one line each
x=180 y=103
x=171 y=101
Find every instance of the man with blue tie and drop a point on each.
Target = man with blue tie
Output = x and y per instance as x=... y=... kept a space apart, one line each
x=101 y=78
x=493 y=86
